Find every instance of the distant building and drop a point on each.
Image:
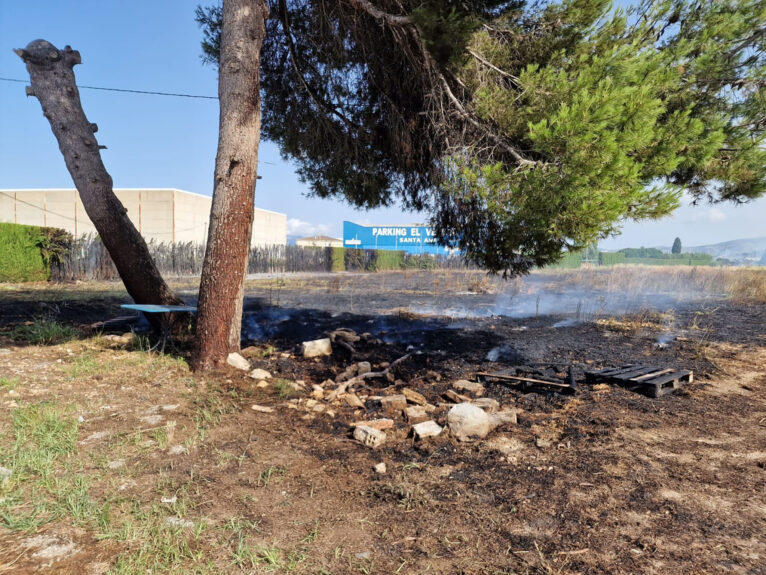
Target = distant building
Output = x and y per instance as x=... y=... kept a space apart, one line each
x=319 y=242
x=413 y=239
x=161 y=215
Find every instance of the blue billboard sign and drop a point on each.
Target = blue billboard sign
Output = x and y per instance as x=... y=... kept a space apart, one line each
x=411 y=239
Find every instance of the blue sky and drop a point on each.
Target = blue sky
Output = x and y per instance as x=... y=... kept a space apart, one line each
x=158 y=141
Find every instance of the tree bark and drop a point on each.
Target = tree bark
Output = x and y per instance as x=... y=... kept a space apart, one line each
x=53 y=83
x=219 y=319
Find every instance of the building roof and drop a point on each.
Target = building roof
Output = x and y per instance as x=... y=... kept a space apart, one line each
x=319 y=239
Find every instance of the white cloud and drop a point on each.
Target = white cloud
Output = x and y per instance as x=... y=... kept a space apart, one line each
x=299 y=228
x=711 y=215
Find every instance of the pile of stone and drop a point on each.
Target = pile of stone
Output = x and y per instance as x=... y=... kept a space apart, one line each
x=462 y=411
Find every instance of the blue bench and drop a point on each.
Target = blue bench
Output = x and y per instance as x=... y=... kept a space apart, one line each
x=147 y=308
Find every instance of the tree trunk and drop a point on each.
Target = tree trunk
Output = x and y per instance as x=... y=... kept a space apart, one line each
x=53 y=83
x=219 y=319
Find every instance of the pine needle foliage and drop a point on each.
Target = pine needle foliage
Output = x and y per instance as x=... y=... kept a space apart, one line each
x=525 y=130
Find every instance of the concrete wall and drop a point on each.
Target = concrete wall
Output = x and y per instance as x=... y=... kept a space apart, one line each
x=162 y=215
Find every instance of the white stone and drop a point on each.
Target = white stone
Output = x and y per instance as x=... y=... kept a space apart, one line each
x=352 y=400
x=237 y=361
x=259 y=374
x=503 y=418
x=317 y=347
x=262 y=408
x=363 y=367
x=177 y=450
x=488 y=404
x=380 y=467
x=262 y=384
x=116 y=464
x=369 y=436
x=426 y=429
x=467 y=422
x=5 y=472
x=471 y=386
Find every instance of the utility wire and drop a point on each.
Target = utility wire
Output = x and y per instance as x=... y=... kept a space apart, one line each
x=125 y=90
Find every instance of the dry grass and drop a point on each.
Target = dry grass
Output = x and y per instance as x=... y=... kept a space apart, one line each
x=742 y=285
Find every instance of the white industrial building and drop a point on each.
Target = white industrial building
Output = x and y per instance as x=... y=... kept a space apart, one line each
x=161 y=215
x=319 y=242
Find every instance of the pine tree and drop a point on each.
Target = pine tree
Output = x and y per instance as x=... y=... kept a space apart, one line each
x=676 y=249
x=525 y=131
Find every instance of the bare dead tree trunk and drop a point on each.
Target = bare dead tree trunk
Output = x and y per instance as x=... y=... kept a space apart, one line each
x=53 y=83
x=219 y=319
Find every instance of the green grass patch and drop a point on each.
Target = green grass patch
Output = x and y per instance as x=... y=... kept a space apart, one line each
x=44 y=332
x=45 y=484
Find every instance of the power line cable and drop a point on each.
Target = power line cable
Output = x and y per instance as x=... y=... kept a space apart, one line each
x=126 y=90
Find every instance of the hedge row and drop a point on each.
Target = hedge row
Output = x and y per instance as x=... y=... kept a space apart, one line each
x=21 y=258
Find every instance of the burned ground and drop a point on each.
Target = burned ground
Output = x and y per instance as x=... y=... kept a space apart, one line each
x=606 y=481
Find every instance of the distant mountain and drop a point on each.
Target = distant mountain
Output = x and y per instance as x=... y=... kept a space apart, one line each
x=752 y=249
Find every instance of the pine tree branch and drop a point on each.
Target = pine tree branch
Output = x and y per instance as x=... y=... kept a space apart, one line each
x=431 y=66
x=324 y=106
x=490 y=65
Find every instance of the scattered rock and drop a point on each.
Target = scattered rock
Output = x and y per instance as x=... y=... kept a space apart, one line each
x=5 y=472
x=347 y=374
x=50 y=547
x=413 y=396
x=488 y=404
x=116 y=464
x=169 y=500
x=152 y=419
x=259 y=374
x=363 y=556
x=503 y=418
x=5 y=351
x=426 y=429
x=344 y=334
x=416 y=414
x=316 y=347
x=310 y=403
x=262 y=384
x=237 y=361
x=352 y=400
x=262 y=408
x=369 y=436
x=170 y=407
x=392 y=403
x=471 y=386
x=178 y=522
x=177 y=450
x=375 y=423
x=380 y=468
x=467 y=422
x=363 y=367
x=456 y=397
x=317 y=392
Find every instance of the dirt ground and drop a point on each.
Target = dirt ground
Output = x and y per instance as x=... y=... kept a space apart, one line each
x=118 y=460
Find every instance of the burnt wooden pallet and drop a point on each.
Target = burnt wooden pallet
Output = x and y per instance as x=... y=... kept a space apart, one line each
x=524 y=383
x=649 y=380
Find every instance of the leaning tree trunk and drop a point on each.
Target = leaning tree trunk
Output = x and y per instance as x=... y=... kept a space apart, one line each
x=53 y=83
x=219 y=319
